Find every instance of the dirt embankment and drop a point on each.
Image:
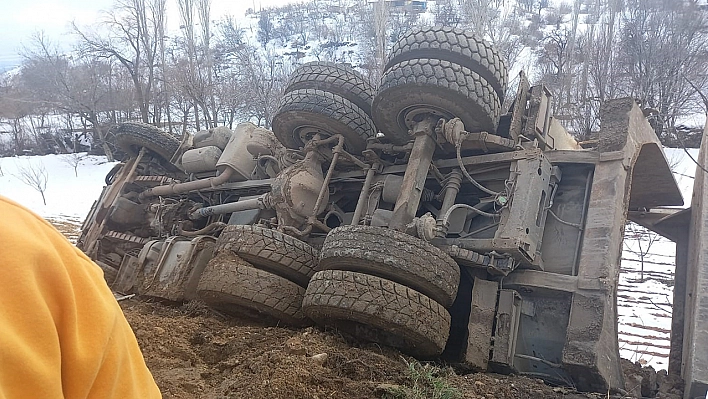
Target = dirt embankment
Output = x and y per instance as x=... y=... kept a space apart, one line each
x=194 y=352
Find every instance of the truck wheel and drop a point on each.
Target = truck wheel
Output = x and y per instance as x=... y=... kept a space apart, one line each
x=414 y=88
x=454 y=45
x=395 y=256
x=230 y=284
x=303 y=113
x=130 y=136
x=271 y=251
x=378 y=310
x=338 y=79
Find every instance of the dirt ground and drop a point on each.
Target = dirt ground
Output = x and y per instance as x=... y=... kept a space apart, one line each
x=196 y=352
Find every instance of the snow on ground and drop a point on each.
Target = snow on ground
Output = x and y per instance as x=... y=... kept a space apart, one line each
x=69 y=196
x=645 y=298
x=644 y=301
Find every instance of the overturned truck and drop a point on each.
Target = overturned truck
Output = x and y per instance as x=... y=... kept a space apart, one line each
x=419 y=214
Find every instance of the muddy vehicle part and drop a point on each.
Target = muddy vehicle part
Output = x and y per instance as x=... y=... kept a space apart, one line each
x=170 y=268
x=215 y=137
x=454 y=45
x=395 y=256
x=296 y=191
x=412 y=89
x=232 y=285
x=339 y=79
x=378 y=310
x=131 y=136
x=109 y=272
x=308 y=113
x=270 y=250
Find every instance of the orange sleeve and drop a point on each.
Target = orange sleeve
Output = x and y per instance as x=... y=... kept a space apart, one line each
x=63 y=334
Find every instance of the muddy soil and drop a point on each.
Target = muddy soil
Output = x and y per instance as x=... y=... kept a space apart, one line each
x=194 y=352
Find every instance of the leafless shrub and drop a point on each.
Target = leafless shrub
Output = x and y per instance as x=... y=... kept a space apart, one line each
x=35 y=176
x=74 y=160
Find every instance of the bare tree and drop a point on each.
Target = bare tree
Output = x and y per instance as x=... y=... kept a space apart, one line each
x=133 y=26
x=79 y=85
x=35 y=176
x=643 y=239
x=663 y=46
x=257 y=77
x=74 y=159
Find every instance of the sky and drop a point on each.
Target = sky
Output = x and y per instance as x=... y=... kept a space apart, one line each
x=20 y=20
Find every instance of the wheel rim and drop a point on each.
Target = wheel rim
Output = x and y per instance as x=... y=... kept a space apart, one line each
x=409 y=116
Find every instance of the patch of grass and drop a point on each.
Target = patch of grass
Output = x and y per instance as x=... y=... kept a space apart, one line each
x=424 y=381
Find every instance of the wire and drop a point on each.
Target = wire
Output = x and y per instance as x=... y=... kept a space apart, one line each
x=576 y=225
x=467 y=175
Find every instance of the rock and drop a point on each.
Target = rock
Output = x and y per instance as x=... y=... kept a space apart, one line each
x=294 y=346
x=649 y=383
x=159 y=330
x=633 y=384
x=479 y=383
x=387 y=388
x=319 y=358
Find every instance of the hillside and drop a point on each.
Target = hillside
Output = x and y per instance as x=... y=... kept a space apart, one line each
x=224 y=69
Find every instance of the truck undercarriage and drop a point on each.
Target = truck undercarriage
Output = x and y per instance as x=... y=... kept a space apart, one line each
x=419 y=215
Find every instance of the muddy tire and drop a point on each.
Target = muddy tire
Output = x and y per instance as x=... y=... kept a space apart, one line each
x=271 y=251
x=416 y=87
x=338 y=79
x=454 y=45
x=378 y=310
x=231 y=285
x=305 y=112
x=130 y=136
x=394 y=256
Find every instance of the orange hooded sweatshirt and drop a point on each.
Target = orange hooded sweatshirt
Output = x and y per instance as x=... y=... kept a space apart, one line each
x=62 y=333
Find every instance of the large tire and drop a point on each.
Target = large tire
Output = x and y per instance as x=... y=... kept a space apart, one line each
x=230 y=284
x=338 y=79
x=439 y=87
x=306 y=111
x=130 y=136
x=454 y=45
x=270 y=250
x=378 y=310
x=395 y=256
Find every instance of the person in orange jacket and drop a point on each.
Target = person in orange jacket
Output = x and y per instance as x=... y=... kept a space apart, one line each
x=62 y=333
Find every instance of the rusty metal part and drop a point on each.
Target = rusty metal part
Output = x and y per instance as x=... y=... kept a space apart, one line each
x=154 y=180
x=89 y=242
x=416 y=173
x=253 y=203
x=390 y=148
x=180 y=188
x=125 y=237
x=364 y=194
x=211 y=228
x=338 y=149
x=297 y=189
x=452 y=185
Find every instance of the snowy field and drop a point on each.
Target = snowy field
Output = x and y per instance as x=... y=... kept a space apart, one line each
x=644 y=301
x=69 y=195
